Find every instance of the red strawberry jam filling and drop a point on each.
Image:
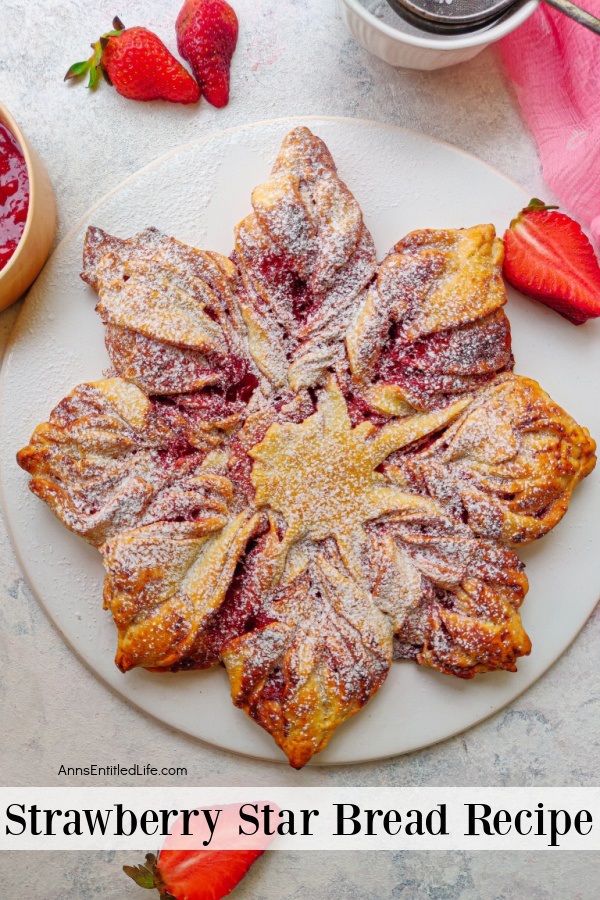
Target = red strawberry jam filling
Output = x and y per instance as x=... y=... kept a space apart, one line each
x=14 y=195
x=451 y=361
x=278 y=272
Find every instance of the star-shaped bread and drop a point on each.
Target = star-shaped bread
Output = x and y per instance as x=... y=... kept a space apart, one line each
x=304 y=464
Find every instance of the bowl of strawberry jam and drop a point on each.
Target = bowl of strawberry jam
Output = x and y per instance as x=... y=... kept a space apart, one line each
x=27 y=211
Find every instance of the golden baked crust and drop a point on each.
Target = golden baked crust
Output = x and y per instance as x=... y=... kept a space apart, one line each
x=306 y=466
x=507 y=466
x=96 y=462
x=432 y=324
x=305 y=258
x=173 y=325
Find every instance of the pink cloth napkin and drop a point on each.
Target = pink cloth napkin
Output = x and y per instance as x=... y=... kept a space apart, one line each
x=555 y=65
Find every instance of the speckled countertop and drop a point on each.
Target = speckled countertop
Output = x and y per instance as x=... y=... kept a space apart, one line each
x=294 y=58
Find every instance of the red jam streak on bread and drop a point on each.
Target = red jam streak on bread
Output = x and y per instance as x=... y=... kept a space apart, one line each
x=14 y=195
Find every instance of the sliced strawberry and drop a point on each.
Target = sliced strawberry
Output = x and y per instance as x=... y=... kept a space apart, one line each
x=183 y=872
x=204 y=874
x=548 y=257
x=193 y=874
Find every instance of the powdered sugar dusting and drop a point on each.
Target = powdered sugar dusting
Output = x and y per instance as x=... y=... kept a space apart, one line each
x=305 y=256
x=278 y=475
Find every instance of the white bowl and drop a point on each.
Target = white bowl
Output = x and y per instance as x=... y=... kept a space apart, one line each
x=407 y=47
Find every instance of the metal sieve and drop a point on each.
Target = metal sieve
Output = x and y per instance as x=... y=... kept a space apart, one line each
x=461 y=16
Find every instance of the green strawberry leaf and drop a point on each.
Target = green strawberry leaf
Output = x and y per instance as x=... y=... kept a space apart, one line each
x=142 y=876
x=78 y=69
x=93 y=79
x=148 y=876
x=93 y=65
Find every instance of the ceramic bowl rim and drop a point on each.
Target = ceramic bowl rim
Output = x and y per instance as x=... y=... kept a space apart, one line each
x=446 y=43
x=7 y=119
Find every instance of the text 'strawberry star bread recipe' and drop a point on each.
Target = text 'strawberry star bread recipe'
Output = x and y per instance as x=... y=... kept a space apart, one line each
x=304 y=464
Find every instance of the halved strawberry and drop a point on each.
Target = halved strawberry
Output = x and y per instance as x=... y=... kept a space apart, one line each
x=182 y=872
x=548 y=257
x=204 y=874
x=193 y=874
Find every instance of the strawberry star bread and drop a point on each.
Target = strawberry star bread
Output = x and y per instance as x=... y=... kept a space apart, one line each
x=303 y=464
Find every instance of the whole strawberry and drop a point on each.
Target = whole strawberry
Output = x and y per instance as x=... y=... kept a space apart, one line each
x=137 y=63
x=547 y=256
x=207 y=33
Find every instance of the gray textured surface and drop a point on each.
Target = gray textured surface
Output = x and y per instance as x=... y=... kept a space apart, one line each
x=294 y=58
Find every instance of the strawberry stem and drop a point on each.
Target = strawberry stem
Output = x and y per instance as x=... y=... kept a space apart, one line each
x=93 y=65
x=536 y=205
x=95 y=61
x=148 y=876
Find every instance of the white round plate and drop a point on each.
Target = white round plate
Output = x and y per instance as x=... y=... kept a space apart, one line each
x=197 y=193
